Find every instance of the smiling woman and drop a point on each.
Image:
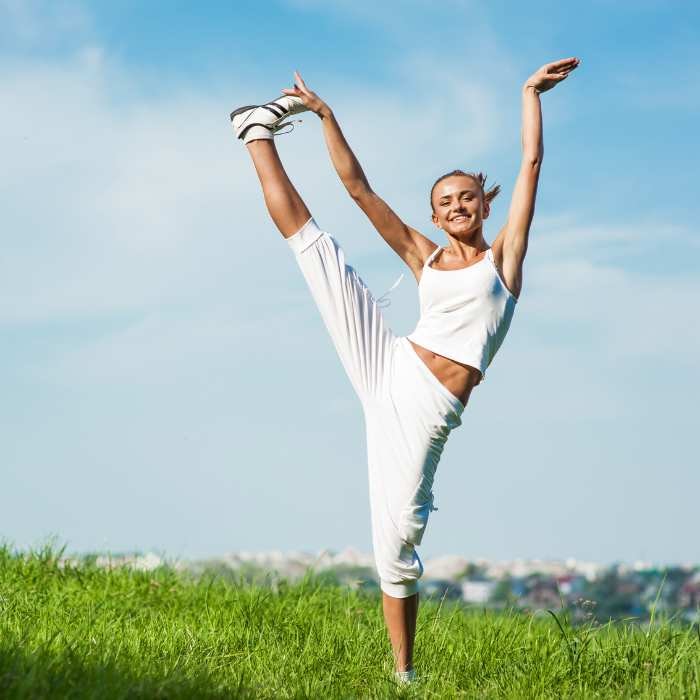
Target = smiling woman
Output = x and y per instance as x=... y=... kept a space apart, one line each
x=413 y=389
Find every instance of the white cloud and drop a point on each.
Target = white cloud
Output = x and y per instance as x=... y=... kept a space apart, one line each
x=604 y=279
x=111 y=206
x=34 y=22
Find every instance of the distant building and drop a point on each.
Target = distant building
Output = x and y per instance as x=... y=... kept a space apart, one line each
x=477 y=591
x=440 y=589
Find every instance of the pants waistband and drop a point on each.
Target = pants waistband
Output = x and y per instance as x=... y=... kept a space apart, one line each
x=456 y=405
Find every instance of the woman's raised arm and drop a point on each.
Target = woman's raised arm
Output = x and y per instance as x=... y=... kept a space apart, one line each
x=510 y=245
x=410 y=245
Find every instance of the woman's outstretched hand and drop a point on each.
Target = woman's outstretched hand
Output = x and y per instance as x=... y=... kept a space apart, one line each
x=309 y=98
x=552 y=73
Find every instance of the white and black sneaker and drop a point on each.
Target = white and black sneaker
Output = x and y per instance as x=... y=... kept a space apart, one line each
x=405 y=677
x=262 y=121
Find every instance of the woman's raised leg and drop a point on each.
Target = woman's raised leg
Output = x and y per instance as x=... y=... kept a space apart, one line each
x=286 y=207
x=290 y=214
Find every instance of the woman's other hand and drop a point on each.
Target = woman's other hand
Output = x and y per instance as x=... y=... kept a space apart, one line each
x=309 y=98
x=551 y=74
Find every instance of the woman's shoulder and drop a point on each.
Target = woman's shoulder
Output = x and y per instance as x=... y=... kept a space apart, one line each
x=426 y=248
x=422 y=249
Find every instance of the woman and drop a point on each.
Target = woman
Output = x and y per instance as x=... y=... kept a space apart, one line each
x=413 y=389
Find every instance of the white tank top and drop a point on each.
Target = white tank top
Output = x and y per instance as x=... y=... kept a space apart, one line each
x=464 y=313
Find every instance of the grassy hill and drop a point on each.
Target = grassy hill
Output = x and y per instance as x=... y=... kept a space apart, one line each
x=83 y=631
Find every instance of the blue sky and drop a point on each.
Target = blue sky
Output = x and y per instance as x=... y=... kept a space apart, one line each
x=166 y=382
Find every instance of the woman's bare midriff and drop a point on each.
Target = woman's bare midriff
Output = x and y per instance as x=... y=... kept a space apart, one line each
x=459 y=379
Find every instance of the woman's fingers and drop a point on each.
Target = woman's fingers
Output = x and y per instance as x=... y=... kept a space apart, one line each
x=300 y=82
x=559 y=74
x=565 y=65
x=562 y=62
x=554 y=70
x=294 y=90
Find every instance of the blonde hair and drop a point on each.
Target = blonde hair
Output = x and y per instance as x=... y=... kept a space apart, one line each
x=480 y=178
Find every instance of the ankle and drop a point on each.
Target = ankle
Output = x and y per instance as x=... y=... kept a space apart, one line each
x=259 y=144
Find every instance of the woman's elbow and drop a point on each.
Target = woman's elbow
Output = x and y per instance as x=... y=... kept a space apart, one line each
x=358 y=191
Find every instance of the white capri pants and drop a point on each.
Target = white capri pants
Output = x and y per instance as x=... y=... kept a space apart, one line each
x=408 y=412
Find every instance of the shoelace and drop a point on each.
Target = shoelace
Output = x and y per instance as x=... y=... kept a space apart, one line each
x=277 y=131
x=383 y=301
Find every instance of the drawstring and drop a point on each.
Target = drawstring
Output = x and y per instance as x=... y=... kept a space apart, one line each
x=432 y=502
x=383 y=301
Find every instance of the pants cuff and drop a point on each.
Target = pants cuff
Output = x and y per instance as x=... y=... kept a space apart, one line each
x=306 y=236
x=399 y=590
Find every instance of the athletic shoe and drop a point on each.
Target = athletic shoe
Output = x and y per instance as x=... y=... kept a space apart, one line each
x=262 y=121
x=405 y=677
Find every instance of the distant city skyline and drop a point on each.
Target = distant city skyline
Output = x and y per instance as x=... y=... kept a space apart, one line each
x=166 y=383
x=587 y=590
x=295 y=564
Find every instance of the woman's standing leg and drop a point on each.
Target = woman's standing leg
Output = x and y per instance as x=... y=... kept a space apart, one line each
x=400 y=615
x=406 y=434
x=286 y=207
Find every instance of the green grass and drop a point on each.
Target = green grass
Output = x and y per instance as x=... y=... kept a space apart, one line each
x=88 y=632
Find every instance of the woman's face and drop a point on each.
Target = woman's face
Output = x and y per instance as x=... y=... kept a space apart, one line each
x=458 y=206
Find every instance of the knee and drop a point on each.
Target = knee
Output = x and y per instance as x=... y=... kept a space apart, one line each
x=305 y=236
x=399 y=570
x=399 y=590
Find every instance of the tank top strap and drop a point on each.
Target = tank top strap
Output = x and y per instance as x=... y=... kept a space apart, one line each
x=432 y=256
